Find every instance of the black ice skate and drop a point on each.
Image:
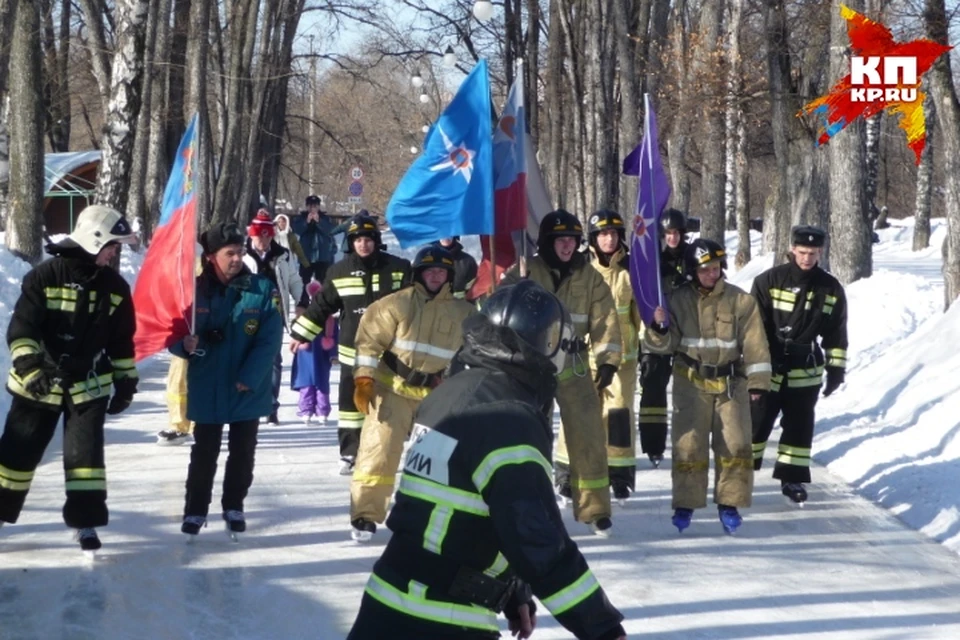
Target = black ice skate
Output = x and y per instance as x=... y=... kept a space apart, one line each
x=564 y=494
x=89 y=542
x=621 y=493
x=362 y=530
x=172 y=437
x=655 y=460
x=345 y=467
x=192 y=525
x=235 y=523
x=795 y=493
x=602 y=527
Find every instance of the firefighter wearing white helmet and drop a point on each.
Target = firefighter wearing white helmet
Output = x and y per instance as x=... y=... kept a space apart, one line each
x=71 y=343
x=404 y=342
x=581 y=459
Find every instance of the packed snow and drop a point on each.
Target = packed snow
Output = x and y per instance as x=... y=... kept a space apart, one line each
x=873 y=554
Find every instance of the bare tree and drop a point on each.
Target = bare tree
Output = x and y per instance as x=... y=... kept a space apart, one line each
x=94 y=12
x=707 y=71
x=56 y=77
x=6 y=24
x=24 y=225
x=921 y=226
x=679 y=136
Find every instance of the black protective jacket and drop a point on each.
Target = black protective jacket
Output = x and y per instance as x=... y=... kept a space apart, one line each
x=476 y=495
x=464 y=269
x=351 y=286
x=671 y=266
x=77 y=318
x=804 y=315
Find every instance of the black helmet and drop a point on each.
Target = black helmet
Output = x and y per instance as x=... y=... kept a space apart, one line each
x=433 y=256
x=362 y=225
x=535 y=315
x=701 y=252
x=605 y=219
x=560 y=223
x=673 y=220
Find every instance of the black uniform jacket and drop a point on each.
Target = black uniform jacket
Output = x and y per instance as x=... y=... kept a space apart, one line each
x=476 y=489
x=351 y=286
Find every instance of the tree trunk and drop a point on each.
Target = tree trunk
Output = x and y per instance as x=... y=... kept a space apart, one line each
x=657 y=44
x=850 y=236
x=742 y=197
x=553 y=91
x=577 y=136
x=93 y=11
x=119 y=128
x=25 y=220
x=921 y=227
x=677 y=142
x=176 y=118
x=706 y=71
x=948 y=115
x=733 y=113
x=195 y=102
x=56 y=90
x=778 y=76
x=873 y=128
x=629 y=95
x=532 y=69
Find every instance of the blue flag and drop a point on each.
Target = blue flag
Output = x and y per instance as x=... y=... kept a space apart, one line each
x=448 y=190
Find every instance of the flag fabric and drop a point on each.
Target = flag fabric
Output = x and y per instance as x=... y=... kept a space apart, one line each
x=448 y=190
x=510 y=189
x=653 y=192
x=164 y=290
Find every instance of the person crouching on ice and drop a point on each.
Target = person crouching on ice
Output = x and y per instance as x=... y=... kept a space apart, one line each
x=238 y=331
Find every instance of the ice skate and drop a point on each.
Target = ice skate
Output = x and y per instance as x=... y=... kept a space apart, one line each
x=681 y=518
x=307 y=421
x=730 y=518
x=235 y=523
x=795 y=493
x=346 y=466
x=192 y=525
x=172 y=437
x=273 y=419
x=89 y=542
x=362 y=530
x=655 y=460
x=564 y=495
x=602 y=527
x=621 y=493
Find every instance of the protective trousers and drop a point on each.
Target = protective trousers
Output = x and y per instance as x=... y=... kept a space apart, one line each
x=384 y=431
x=617 y=403
x=796 y=438
x=584 y=468
x=702 y=419
x=377 y=621
x=652 y=420
x=238 y=476
x=26 y=434
x=350 y=419
x=177 y=395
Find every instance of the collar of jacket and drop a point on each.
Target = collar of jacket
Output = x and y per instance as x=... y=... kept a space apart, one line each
x=799 y=274
x=620 y=257
x=274 y=251
x=209 y=281
x=716 y=291
x=444 y=293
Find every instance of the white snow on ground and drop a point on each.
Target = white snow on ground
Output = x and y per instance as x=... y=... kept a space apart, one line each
x=860 y=561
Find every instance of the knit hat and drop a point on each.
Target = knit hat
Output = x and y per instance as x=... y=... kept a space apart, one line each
x=313 y=288
x=262 y=225
x=219 y=236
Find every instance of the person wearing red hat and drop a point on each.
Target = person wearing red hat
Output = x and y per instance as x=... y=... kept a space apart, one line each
x=266 y=257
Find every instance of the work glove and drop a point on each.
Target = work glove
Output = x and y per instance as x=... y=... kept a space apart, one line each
x=123 y=390
x=363 y=394
x=604 y=377
x=37 y=374
x=835 y=376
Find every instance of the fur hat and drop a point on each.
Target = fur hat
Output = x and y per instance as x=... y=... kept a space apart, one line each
x=219 y=236
x=808 y=236
x=262 y=225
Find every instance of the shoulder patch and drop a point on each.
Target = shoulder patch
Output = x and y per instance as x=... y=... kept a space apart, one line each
x=250 y=326
x=275 y=299
x=429 y=454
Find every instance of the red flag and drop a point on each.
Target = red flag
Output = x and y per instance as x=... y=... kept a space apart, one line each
x=164 y=290
x=510 y=188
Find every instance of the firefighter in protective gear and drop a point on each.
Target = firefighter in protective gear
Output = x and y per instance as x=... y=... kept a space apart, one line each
x=654 y=368
x=559 y=268
x=366 y=274
x=71 y=343
x=465 y=266
x=721 y=361
x=404 y=343
x=799 y=303
x=476 y=530
x=607 y=235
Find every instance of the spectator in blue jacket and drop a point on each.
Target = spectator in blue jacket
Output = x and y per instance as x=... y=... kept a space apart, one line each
x=316 y=231
x=237 y=332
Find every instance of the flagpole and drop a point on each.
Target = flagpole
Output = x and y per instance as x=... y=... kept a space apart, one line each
x=653 y=199
x=523 y=233
x=200 y=175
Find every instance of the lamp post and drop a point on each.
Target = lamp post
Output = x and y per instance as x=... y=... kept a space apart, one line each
x=483 y=10
x=416 y=79
x=449 y=58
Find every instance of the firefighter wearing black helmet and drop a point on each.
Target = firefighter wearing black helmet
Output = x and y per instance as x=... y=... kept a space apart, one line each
x=561 y=269
x=475 y=528
x=608 y=247
x=721 y=362
x=804 y=312
x=366 y=274
x=655 y=369
x=404 y=343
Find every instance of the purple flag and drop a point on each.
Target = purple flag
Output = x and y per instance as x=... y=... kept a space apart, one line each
x=652 y=196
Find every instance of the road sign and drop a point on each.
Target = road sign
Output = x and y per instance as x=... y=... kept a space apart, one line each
x=356 y=188
x=356 y=173
x=354 y=199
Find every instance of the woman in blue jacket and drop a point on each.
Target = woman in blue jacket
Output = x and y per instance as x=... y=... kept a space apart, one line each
x=238 y=331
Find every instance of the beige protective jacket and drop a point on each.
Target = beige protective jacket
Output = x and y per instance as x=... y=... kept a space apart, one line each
x=423 y=334
x=617 y=276
x=588 y=299
x=715 y=328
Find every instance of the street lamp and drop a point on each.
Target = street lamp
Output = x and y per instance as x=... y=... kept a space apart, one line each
x=425 y=128
x=424 y=98
x=416 y=80
x=449 y=58
x=414 y=150
x=483 y=10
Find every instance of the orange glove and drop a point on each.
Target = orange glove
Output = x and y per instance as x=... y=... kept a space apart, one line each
x=363 y=394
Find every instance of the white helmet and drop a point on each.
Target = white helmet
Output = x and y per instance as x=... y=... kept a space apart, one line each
x=96 y=226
